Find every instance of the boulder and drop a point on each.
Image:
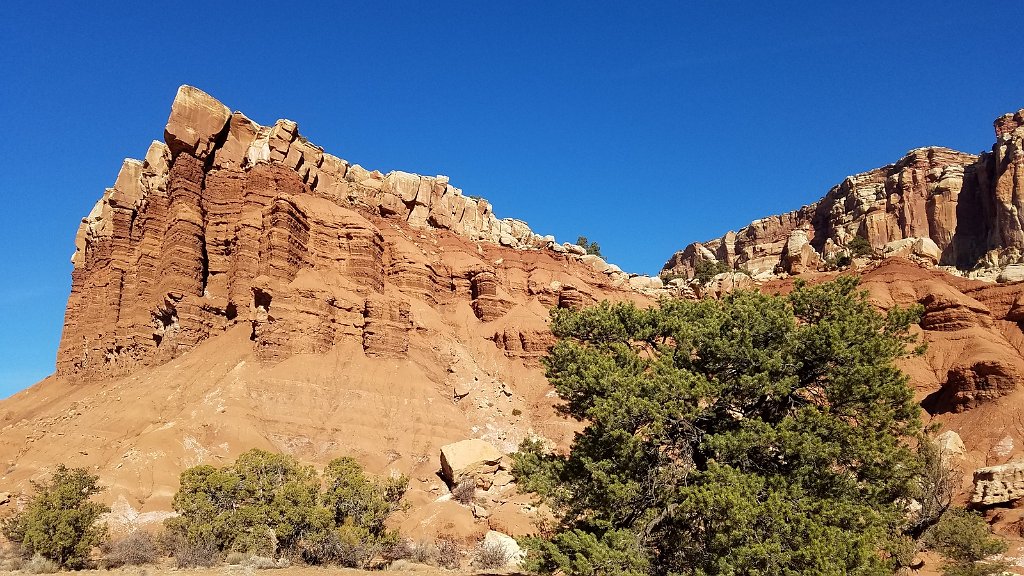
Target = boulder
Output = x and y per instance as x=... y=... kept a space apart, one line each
x=927 y=249
x=903 y=247
x=595 y=262
x=998 y=484
x=196 y=121
x=646 y=282
x=514 y=553
x=473 y=457
x=951 y=447
x=1012 y=273
x=799 y=256
x=574 y=249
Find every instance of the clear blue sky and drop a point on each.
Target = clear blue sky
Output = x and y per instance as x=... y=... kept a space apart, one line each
x=644 y=128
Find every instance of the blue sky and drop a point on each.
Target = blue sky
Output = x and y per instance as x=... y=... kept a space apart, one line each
x=644 y=128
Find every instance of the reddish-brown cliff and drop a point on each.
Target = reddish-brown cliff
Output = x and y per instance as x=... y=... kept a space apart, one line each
x=944 y=206
x=231 y=223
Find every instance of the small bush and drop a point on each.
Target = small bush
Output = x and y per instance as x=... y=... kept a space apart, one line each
x=193 y=553
x=40 y=565
x=349 y=546
x=400 y=549
x=860 y=246
x=490 y=555
x=592 y=248
x=12 y=557
x=423 y=553
x=265 y=563
x=464 y=491
x=449 y=552
x=136 y=549
x=964 y=539
x=705 y=270
x=60 y=523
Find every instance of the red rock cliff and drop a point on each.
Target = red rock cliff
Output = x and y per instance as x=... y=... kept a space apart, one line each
x=945 y=206
x=231 y=222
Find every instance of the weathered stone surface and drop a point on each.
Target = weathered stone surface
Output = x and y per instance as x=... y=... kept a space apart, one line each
x=473 y=457
x=197 y=119
x=959 y=208
x=998 y=484
x=1012 y=273
x=232 y=222
x=951 y=447
x=508 y=544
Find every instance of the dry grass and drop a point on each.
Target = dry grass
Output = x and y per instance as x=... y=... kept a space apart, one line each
x=449 y=552
x=464 y=491
x=491 y=555
x=40 y=565
x=136 y=549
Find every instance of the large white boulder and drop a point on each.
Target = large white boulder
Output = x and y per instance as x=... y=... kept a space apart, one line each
x=473 y=457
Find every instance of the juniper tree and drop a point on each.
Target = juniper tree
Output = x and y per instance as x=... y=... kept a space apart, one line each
x=755 y=434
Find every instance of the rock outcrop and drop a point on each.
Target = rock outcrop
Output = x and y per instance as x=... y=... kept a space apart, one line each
x=998 y=484
x=239 y=287
x=471 y=458
x=944 y=206
x=229 y=222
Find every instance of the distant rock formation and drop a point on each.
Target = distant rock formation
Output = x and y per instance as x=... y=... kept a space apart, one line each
x=231 y=222
x=943 y=206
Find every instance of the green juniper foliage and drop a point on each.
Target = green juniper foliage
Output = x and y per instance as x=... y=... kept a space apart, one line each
x=750 y=435
x=963 y=538
x=859 y=246
x=267 y=503
x=592 y=248
x=60 y=522
x=705 y=270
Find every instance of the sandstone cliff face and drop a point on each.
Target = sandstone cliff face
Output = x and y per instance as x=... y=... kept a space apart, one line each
x=961 y=210
x=230 y=222
x=239 y=288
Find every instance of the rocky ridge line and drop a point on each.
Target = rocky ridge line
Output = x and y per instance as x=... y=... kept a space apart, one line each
x=230 y=222
x=944 y=207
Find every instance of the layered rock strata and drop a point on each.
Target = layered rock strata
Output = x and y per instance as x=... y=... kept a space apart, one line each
x=229 y=222
x=946 y=207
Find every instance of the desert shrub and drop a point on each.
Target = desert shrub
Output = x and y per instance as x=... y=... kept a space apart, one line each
x=348 y=545
x=464 y=490
x=40 y=564
x=705 y=270
x=964 y=539
x=60 y=522
x=265 y=563
x=12 y=557
x=754 y=434
x=592 y=248
x=859 y=246
x=400 y=549
x=135 y=549
x=191 y=552
x=449 y=552
x=266 y=504
x=838 y=261
x=423 y=553
x=489 y=555
x=353 y=497
x=260 y=503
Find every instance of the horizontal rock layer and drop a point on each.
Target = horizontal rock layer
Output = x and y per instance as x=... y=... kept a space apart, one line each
x=959 y=210
x=232 y=222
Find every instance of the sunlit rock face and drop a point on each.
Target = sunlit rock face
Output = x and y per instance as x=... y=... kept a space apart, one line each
x=965 y=209
x=229 y=222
